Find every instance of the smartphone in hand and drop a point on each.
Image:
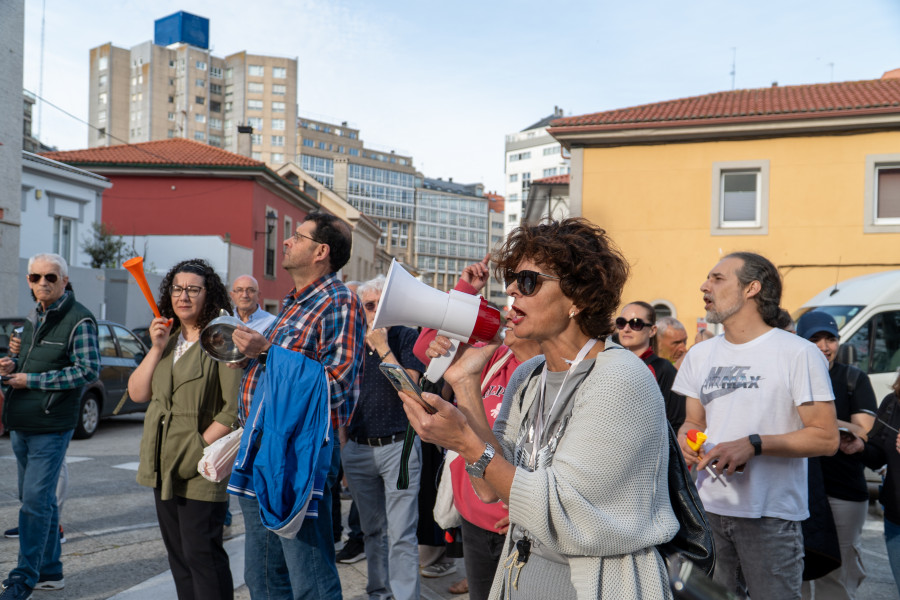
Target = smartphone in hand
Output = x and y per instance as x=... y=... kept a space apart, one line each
x=402 y=382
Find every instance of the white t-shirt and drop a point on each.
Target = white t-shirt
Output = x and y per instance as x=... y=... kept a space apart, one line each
x=755 y=388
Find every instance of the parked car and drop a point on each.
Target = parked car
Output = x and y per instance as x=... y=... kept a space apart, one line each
x=121 y=351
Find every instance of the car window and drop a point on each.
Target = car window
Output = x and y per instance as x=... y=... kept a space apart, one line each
x=877 y=343
x=130 y=345
x=107 y=343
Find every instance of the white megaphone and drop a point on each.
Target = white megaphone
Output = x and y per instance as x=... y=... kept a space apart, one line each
x=458 y=316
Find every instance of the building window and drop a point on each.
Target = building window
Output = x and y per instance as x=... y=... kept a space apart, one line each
x=256 y=139
x=271 y=234
x=278 y=107
x=278 y=140
x=215 y=72
x=255 y=87
x=550 y=172
x=62 y=237
x=279 y=90
x=215 y=88
x=256 y=123
x=551 y=150
x=215 y=123
x=102 y=79
x=882 y=204
x=279 y=72
x=102 y=63
x=256 y=70
x=215 y=106
x=199 y=117
x=200 y=82
x=200 y=136
x=171 y=116
x=256 y=155
x=514 y=178
x=519 y=156
x=201 y=65
x=200 y=100
x=740 y=198
x=215 y=140
x=278 y=124
x=308 y=143
x=229 y=73
x=254 y=104
x=277 y=158
x=101 y=99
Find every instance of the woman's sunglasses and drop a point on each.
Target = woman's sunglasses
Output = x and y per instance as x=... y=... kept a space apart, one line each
x=50 y=277
x=635 y=323
x=526 y=281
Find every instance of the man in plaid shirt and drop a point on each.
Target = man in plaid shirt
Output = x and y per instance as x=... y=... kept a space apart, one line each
x=58 y=357
x=324 y=320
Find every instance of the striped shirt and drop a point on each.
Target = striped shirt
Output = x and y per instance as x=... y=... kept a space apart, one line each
x=326 y=323
x=84 y=354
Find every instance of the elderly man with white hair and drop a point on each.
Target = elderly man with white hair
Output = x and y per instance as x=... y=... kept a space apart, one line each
x=372 y=458
x=59 y=355
x=245 y=296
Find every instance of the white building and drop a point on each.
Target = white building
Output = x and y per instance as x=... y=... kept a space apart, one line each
x=530 y=154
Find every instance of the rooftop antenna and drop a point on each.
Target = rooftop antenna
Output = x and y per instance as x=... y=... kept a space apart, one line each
x=831 y=66
x=41 y=74
x=733 y=65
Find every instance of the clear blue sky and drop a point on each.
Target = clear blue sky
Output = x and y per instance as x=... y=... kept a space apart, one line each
x=446 y=81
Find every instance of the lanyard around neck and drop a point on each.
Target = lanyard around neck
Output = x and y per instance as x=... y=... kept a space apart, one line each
x=539 y=418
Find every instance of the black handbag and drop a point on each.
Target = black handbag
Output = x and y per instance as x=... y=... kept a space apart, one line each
x=694 y=540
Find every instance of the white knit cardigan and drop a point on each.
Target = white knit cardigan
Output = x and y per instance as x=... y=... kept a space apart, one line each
x=604 y=500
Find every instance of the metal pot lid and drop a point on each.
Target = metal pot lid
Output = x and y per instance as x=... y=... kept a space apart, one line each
x=215 y=339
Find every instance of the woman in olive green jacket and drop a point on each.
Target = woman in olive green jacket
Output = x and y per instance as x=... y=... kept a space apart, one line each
x=193 y=402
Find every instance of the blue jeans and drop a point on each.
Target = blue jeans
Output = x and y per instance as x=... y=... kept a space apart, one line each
x=39 y=458
x=892 y=541
x=388 y=516
x=277 y=568
x=765 y=554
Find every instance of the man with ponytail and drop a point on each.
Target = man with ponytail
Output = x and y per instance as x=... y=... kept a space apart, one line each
x=764 y=399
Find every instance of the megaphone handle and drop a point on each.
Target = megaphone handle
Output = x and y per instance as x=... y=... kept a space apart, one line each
x=438 y=366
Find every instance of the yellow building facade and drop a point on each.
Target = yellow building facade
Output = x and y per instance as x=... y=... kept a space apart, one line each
x=659 y=193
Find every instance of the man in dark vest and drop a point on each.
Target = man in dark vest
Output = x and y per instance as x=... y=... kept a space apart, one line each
x=58 y=357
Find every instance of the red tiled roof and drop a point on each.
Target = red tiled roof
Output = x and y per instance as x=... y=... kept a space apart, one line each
x=554 y=180
x=847 y=98
x=171 y=152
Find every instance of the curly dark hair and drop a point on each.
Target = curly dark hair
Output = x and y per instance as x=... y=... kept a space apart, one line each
x=591 y=267
x=759 y=268
x=216 y=295
x=334 y=233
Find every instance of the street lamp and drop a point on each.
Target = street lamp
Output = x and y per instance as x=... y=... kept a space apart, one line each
x=271 y=219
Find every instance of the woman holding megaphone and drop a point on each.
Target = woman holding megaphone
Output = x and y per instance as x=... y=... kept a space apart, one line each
x=193 y=402
x=578 y=451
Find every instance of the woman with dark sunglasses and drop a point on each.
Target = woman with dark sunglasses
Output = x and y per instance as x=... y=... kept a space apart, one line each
x=637 y=332
x=579 y=451
x=193 y=402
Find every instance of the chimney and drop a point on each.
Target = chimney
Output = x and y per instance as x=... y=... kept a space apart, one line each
x=243 y=140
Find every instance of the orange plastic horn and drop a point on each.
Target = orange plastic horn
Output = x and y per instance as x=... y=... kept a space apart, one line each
x=135 y=266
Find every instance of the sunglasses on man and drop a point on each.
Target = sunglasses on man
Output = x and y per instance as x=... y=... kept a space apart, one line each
x=635 y=324
x=50 y=277
x=527 y=281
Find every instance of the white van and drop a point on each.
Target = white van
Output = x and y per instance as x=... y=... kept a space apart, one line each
x=867 y=312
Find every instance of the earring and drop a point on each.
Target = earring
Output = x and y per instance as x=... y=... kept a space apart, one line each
x=572 y=314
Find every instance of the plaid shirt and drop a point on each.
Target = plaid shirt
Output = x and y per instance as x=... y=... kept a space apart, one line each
x=84 y=354
x=326 y=323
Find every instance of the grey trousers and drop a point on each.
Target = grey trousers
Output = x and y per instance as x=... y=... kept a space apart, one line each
x=843 y=583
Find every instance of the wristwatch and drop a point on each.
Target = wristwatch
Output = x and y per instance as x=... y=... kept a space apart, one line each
x=756 y=441
x=477 y=469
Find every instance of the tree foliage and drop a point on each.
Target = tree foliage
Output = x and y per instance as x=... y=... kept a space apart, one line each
x=105 y=248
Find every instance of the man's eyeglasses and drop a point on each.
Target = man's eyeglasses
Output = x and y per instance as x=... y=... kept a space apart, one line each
x=297 y=235
x=192 y=290
x=240 y=291
x=370 y=306
x=50 y=277
x=635 y=324
x=527 y=281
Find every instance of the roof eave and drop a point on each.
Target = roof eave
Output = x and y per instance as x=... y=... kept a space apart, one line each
x=738 y=128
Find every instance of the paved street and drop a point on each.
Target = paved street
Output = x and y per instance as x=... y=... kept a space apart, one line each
x=114 y=549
